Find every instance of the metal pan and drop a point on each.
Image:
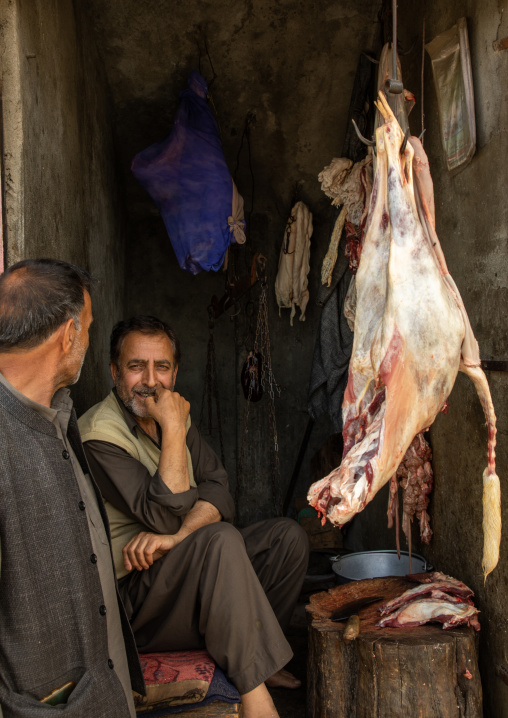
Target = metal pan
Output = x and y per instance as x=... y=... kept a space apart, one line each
x=372 y=564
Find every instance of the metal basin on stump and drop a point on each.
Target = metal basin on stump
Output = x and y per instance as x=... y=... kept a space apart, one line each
x=373 y=564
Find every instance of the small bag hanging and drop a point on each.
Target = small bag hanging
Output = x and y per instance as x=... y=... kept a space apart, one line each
x=251 y=377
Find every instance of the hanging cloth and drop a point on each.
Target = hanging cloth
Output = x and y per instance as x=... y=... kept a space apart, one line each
x=334 y=341
x=291 y=283
x=187 y=177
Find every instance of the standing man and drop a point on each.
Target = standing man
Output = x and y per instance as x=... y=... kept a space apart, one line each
x=60 y=618
x=187 y=577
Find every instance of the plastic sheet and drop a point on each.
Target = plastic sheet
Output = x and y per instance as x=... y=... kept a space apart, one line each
x=451 y=67
x=187 y=176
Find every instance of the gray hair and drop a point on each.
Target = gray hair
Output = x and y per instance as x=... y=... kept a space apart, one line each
x=146 y=324
x=36 y=297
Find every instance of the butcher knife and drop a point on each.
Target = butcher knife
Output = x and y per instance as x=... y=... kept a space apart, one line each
x=351 y=609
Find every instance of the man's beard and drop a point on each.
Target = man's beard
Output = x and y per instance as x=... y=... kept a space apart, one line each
x=134 y=405
x=131 y=400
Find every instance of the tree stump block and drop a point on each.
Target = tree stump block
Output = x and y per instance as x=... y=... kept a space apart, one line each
x=421 y=672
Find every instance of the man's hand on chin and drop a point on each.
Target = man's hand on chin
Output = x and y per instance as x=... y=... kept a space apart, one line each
x=169 y=409
x=145 y=548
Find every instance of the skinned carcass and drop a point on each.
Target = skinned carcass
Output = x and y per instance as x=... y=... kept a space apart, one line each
x=412 y=335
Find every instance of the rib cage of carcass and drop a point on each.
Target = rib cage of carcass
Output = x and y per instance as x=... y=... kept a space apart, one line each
x=412 y=335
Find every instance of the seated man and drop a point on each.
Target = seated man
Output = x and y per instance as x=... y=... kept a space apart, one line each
x=188 y=578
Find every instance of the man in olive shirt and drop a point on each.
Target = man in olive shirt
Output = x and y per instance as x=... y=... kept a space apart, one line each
x=187 y=578
x=60 y=615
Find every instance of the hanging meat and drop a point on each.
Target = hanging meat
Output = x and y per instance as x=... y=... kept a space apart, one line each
x=411 y=338
x=416 y=480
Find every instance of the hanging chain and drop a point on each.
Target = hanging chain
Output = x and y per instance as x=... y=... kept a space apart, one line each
x=211 y=393
x=241 y=457
x=268 y=382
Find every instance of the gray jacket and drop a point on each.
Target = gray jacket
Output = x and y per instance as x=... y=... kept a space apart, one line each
x=52 y=628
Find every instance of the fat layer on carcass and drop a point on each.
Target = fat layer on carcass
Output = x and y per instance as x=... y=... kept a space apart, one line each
x=427 y=610
x=411 y=337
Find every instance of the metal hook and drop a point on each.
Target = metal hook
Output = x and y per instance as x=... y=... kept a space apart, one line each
x=370 y=58
x=408 y=52
x=422 y=133
x=232 y=316
x=370 y=143
x=404 y=143
x=393 y=85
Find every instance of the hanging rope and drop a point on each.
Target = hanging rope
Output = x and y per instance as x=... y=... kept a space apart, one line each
x=200 y=36
x=270 y=386
x=250 y=121
x=211 y=393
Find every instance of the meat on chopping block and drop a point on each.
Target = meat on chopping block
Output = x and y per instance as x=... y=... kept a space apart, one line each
x=412 y=336
x=415 y=671
x=438 y=586
x=433 y=610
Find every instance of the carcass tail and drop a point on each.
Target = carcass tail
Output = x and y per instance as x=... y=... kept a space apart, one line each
x=491 y=521
x=491 y=484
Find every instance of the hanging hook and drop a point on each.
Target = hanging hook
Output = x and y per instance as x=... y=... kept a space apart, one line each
x=370 y=143
x=403 y=53
x=370 y=58
x=232 y=316
x=404 y=142
x=394 y=85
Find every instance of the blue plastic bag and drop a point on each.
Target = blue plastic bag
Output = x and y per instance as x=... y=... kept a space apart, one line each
x=187 y=177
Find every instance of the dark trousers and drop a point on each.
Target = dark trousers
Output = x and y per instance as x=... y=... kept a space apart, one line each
x=231 y=591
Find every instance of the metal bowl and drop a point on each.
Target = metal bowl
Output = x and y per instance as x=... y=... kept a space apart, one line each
x=372 y=564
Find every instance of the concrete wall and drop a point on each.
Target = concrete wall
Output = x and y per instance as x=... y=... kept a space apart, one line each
x=292 y=64
x=62 y=196
x=472 y=223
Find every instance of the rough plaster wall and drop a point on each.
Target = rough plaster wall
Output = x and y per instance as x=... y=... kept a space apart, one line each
x=62 y=197
x=292 y=63
x=472 y=223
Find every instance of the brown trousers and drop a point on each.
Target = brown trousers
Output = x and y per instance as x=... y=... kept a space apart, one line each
x=231 y=591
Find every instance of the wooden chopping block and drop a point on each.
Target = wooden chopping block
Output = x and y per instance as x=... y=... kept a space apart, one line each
x=421 y=672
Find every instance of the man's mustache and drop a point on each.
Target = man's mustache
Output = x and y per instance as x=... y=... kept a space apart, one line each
x=145 y=392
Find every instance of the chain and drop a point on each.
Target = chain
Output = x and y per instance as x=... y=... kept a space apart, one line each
x=267 y=378
x=262 y=346
x=211 y=393
x=241 y=458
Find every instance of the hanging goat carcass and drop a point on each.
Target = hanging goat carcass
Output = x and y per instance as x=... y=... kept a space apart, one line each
x=412 y=336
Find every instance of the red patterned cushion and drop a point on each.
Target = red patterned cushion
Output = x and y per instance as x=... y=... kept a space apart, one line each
x=174 y=678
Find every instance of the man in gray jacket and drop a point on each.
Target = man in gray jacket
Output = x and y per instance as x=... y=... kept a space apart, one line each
x=61 y=621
